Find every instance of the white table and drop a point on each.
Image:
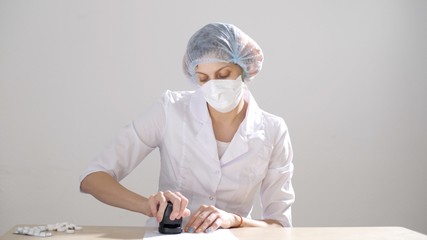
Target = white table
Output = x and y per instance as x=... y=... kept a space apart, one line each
x=296 y=233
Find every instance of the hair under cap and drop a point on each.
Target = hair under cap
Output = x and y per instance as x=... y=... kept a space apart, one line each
x=222 y=42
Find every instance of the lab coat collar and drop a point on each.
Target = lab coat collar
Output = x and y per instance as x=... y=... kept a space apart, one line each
x=250 y=130
x=198 y=107
x=252 y=123
x=203 y=124
x=251 y=127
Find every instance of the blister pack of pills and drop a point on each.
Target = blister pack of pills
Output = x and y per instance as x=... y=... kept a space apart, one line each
x=46 y=231
x=40 y=231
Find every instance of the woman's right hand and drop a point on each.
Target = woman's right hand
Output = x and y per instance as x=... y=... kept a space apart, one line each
x=158 y=202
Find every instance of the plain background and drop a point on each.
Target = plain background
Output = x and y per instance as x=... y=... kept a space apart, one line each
x=348 y=77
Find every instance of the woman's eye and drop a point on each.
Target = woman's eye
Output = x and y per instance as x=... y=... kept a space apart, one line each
x=203 y=81
x=224 y=75
x=202 y=78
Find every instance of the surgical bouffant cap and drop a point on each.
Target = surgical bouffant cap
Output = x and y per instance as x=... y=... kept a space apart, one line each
x=221 y=42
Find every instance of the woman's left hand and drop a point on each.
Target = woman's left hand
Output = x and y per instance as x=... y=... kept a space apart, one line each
x=209 y=218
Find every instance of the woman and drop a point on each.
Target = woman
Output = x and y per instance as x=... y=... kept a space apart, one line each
x=217 y=147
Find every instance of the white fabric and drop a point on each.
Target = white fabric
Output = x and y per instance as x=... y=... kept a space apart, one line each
x=223 y=95
x=221 y=147
x=258 y=157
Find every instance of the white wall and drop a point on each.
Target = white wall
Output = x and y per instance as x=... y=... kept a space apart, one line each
x=349 y=77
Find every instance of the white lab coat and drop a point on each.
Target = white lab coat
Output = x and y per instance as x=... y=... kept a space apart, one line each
x=259 y=156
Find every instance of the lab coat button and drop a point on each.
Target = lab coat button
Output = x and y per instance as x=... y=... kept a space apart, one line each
x=211 y=198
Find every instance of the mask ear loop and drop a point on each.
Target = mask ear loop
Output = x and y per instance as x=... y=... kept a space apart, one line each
x=236 y=61
x=241 y=78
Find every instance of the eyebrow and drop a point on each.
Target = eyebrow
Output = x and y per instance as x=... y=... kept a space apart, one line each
x=216 y=70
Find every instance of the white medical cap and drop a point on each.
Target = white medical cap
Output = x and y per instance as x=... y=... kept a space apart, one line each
x=222 y=42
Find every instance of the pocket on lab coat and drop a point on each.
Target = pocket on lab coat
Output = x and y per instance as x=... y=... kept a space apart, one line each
x=242 y=177
x=255 y=166
x=247 y=170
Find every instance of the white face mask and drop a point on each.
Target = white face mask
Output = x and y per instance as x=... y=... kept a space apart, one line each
x=223 y=95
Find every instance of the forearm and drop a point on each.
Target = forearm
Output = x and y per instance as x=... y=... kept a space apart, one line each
x=107 y=190
x=247 y=222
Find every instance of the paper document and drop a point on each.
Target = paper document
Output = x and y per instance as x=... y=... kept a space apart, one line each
x=223 y=234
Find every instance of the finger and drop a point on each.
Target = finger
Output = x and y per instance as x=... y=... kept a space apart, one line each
x=183 y=211
x=162 y=203
x=199 y=219
x=153 y=204
x=214 y=226
x=176 y=204
x=207 y=222
x=153 y=209
x=186 y=213
x=188 y=227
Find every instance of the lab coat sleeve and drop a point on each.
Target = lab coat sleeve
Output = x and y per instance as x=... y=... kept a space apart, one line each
x=277 y=194
x=131 y=145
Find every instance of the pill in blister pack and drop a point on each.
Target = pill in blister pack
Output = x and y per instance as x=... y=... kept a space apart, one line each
x=39 y=231
x=45 y=231
x=63 y=227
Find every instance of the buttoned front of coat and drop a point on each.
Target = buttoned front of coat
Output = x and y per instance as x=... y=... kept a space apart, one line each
x=259 y=157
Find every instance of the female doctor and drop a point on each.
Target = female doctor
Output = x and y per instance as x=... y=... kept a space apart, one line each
x=217 y=147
